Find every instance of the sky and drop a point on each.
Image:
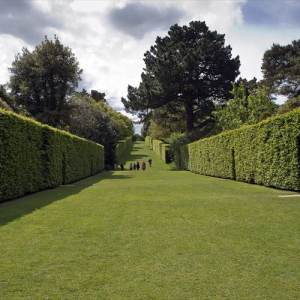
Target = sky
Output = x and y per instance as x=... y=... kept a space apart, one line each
x=109 y=38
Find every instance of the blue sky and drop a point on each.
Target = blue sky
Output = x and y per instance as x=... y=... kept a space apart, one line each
x=109 y=38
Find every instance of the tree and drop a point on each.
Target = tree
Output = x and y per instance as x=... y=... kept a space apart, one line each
x=124 y=126
x=90 y=121
x=249 y=85
x=5 y=97
x=4 y=105
x=97 y=96
x=8 y=102
x=246 y=107
x=145 y=128
x=42 y=80
x=166 y=120
x=280 y=68
x=188 y=68
x=98 y=122
x=289 y=105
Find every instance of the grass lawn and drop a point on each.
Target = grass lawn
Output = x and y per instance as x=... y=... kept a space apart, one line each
x=154 y=234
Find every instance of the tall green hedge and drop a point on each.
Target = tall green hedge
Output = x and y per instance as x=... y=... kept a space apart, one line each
x=34 y=157
x=122 y=147
x=211 y=157
x=149 y=141
x=267 y=153
x=160 y=148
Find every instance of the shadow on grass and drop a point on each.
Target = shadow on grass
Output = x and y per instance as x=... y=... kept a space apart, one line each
x=130 y=157
x=133 y=158
x=17 y=208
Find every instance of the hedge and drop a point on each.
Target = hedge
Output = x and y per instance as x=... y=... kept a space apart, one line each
x=267 y=153
x=34 y=157
x=149 y=141
x=122 y=147
x=160 y=148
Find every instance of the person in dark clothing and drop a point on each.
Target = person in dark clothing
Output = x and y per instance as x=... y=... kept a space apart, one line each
x=138 y=166
x=143 y=166
x=150 y=161
x=122 y=166
x=134 y=166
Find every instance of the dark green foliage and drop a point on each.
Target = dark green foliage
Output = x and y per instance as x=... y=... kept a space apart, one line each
x=289 y=105
x=4 y=105
x=34 y=157
x=266 y=153
x=5 y=97
x=281 y=69
x=97 y=96
x=98 y=122
x=90 y=120
x=146 y=124
x=176 y=141
x=188 y=69
x=138 y=137
x=42 y=80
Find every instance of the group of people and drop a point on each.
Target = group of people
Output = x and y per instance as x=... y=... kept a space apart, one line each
x=134 y=166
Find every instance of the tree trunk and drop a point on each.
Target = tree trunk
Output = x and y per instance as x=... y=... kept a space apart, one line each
x=189 y=117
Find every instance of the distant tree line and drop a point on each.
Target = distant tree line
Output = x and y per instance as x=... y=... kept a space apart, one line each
x=43 y=86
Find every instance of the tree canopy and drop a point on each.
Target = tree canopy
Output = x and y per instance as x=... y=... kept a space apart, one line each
x=280 y=67
x=289 y=105
x=42 y=80
x=188 y=68
x=245 y=108
x=98 y=122
x=42 y=86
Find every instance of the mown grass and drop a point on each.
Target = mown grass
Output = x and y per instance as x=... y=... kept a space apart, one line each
x=154 y=234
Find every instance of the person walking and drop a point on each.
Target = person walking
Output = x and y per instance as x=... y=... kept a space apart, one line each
x=130 y=167
x=138 y=166
x=143 y=166
x=122 y=167
x=134 y=166
x=150 y=161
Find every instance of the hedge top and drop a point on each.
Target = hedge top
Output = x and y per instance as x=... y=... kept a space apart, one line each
x=27 y=119
x=244 y=127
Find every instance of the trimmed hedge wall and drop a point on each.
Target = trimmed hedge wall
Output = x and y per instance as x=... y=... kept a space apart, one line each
x=34 y=157
x=149 y=141
x=160 y=148
x=267 y=153
x=122 y=147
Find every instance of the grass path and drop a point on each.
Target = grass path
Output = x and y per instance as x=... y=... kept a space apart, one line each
x=154 y=234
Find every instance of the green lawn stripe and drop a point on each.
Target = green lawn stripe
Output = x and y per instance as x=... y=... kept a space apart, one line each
x=154 y=234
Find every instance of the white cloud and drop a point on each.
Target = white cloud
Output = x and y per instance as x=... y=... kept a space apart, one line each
x=111 y=59
x=250 y=43
x=9 y=47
